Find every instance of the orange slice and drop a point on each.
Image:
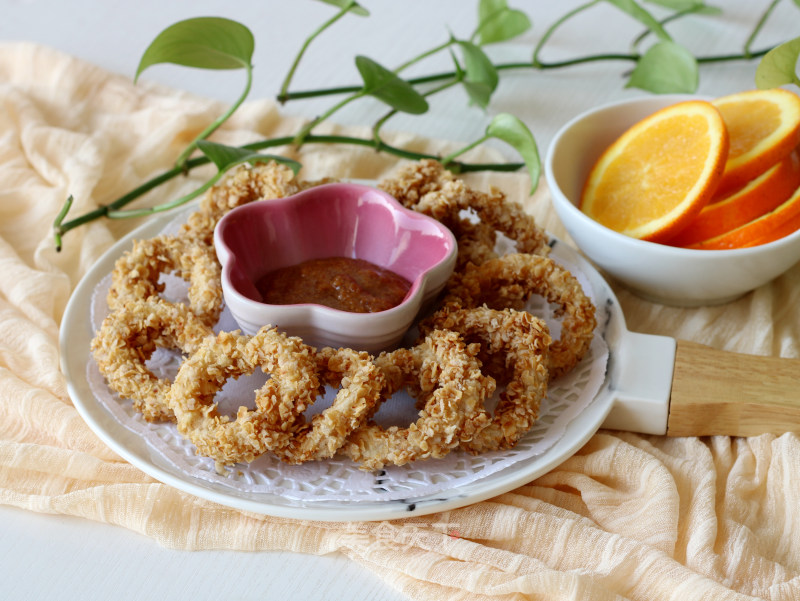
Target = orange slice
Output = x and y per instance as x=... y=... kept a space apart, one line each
x=727 y=212
x=764 y=229
x=764 y=127
x=658 y=175
x=789 y=226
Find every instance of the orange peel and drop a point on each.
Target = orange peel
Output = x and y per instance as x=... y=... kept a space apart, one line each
x=659 y=174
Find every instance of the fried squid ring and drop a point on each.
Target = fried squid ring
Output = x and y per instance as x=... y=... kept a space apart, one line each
x=447 y=203
x=514 y=347
x=136 y=273
x=442 y=371
x=476 y=240
x=128 y=338
x=244 y=184
x=292 y=387
x=476 y=243
x=360 y=383
x=414 y=181
x=510 y=280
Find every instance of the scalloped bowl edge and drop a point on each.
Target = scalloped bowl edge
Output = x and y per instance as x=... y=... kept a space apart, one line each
x=316 y=324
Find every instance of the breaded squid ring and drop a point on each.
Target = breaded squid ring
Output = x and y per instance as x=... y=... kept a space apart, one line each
x=292 y=387
x=413 y=181
x=413 y=184
x=446 y=204
x=127 y=339
x=510 y=280
x=136 y=273
x=476 y=243
x=242 y=185
x=514 y=349
x=442 y=371
x=360 y=384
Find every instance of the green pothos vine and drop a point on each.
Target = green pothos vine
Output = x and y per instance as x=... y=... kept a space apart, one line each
x=664 y=66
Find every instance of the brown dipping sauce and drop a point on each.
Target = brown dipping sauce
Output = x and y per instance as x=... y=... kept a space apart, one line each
x=353 y=285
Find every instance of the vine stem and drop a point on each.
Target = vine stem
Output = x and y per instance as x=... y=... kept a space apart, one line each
x=283 y=95
x=424 y=55
x=551 y=30
x=305 y=133
x=758 y=27
x=382 y=121
x=541 y=66
x=187 y=152
x=450 y=157
x=60 y=227
x=59 y=218
x=360 y=92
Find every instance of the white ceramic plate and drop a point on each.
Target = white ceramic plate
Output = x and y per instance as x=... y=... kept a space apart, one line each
x=77 y=333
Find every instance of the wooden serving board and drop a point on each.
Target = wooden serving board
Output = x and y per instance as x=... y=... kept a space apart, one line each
x=723 y=393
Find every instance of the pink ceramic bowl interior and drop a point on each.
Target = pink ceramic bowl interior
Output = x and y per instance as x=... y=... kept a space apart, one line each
x=332 y=220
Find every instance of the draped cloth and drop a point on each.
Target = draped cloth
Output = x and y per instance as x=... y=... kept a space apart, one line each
x=627 y=517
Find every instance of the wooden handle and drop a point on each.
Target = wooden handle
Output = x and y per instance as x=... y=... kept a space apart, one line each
x=732 y=394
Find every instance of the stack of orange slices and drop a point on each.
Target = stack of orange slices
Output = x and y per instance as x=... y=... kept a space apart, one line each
x=701 y=174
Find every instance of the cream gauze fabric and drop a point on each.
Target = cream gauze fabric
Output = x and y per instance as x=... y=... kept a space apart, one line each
x=628 y=517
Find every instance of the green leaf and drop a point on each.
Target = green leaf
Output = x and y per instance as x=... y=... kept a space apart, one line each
x=480 y=79
x=513 y=131
x=225 y=157
x=665 y=68
x=354 y=7
x=703 y=9
x=204 y=43
x=459 y=70
x=641 y=15
x=678 y=5
x=499 y=23
x=389 y=88
x=689 y=7
x=779 y=65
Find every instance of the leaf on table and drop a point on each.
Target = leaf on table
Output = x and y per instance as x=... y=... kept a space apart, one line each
x=499 y=23
x=204 y=43
x=226 y=157
x=480 y=76
x=665 y=68
x=353 y=7
x=388 y=87
x=513 y=131
x=683 y=5
x=779 y=66
x=641 y=15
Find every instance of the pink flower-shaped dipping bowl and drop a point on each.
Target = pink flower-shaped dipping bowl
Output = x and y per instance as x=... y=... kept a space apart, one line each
x=332 y=220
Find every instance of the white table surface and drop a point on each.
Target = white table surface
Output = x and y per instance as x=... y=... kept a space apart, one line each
x=46 y=556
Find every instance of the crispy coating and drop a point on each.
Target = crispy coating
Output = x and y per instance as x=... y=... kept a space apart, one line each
x=127 y=339
x=415 y=181
x=360 y=383
x=425 y=180
x=476 y=243
x=443 y=372
x=430 y=189
x=480 y=336
x=510 y=280
x=514 y=346
x=246 y=183
x=136 y=273
x=493 y=208
x=292 y=387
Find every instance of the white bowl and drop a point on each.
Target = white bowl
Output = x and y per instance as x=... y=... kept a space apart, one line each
x=657 y=272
